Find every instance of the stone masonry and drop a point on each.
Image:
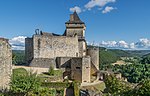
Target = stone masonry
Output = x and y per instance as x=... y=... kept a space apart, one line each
x=67 y=52
x=5 y=64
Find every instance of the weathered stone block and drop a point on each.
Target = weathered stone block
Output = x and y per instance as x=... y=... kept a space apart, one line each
x=5 y=64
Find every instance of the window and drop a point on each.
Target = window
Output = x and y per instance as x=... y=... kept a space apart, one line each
x=76 y=54
x=77 y=67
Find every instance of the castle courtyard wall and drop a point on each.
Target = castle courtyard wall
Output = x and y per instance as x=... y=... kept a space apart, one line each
x=76 y=69
x=55 y=46
x=5 y=64
x=86 y=69
x=28 y=50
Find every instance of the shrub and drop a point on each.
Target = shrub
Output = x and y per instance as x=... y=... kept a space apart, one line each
x=53 y=72
x=24 y=83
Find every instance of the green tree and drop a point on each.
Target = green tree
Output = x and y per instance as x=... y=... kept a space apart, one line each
x=18 y=57
x=146 y=59
x=116 y=87
x=106 y=58
x=143 y=88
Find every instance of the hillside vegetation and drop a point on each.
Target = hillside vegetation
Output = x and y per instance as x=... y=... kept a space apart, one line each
x=18 y=57
x=109 y=56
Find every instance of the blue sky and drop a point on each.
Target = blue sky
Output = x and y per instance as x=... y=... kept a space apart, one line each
x=125 y=21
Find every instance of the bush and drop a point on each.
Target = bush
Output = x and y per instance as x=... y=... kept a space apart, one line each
x=76 y=88
x=56 y=84
x=53 y=72
x=23 y=83
x=43 y=92
x=116 y=87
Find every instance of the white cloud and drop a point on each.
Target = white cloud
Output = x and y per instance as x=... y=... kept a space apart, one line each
x=142 y=44
x=122 y=44
x=95 y=3
x=132 y=46
x=107 y=9
x=18 y=43
x=99 y=3
x=109 y=43
x=114 y=44
x=76 y=8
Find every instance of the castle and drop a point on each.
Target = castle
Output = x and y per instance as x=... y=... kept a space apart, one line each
x=67 y=52
x=5 y=64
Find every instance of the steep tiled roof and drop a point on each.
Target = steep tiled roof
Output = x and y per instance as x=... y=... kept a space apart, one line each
x=74 y=18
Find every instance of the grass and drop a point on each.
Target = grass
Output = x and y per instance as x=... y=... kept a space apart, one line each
x=96 y=88
x=100 y=86
x=53 y=72
x=19 y=71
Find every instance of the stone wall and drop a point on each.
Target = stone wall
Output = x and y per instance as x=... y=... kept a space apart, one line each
x=76 y=69
x=78 y=29
x=5 y=64
x=80 y=69
x=28 y=50
x=43 y=63
x=63 y=62
x=55 y=46
x=86 y=69
x=82 y=48
x=93 y=52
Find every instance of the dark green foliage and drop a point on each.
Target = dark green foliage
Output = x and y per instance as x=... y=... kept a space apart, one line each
x=18 y=57
x=109 y=56
x=133 y=72
x=44 y=92
x=137 y=71
x=106 y=58
x=24 y=82
x=56 y=84
x=28 y=84
x=146 y=59
x=138 y=53
x=76 y=88
x=53 y=72
x=2 y=94
x=143 y=88
x=116 y=87
x=120 y=53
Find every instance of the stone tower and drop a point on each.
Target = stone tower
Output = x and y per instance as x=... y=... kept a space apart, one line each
x=76 y=27
x=93 y=52
x=5 y=64
x=67 y=52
